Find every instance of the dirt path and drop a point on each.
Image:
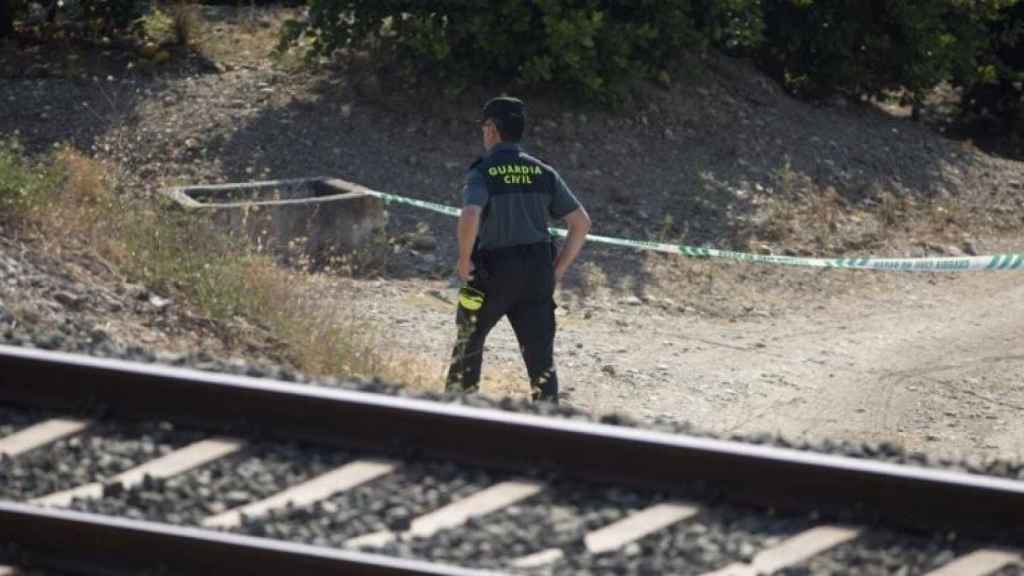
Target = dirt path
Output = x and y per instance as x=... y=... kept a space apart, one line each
x=937 y=373
x=934 y=367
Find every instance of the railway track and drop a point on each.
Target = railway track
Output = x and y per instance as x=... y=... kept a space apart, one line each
x=174 y=471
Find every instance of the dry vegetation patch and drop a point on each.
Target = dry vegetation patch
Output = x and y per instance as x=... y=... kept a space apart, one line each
x=233 y=36
x=802 y=217
x=67 y=201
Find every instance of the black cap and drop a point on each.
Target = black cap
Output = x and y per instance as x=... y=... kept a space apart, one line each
x=508 y=113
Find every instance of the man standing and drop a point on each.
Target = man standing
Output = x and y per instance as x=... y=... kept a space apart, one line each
x=506 y=254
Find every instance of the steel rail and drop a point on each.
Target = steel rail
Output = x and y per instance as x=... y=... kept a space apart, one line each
x=766 y=476
x=86 y=543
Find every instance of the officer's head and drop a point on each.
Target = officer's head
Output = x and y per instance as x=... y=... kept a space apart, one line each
x=504 y=120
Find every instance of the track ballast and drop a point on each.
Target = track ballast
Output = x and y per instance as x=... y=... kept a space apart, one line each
x=179 y=470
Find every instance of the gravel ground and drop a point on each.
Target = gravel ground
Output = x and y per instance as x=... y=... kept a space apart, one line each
x=236 y=480
x=76 y=317
x=717 y=537
x=882 y=553
x=14 y=419
x=96 y=455
x=558 y=517
x=69 y=336
x=74 y=338
x=389 y=503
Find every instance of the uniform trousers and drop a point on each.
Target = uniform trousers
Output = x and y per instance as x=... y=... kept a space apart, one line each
x=518 y=282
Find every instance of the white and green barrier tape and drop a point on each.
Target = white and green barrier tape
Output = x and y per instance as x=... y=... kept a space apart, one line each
x=943 y=264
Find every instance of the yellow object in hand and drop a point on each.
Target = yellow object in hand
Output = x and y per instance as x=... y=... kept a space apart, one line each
x=470 y=298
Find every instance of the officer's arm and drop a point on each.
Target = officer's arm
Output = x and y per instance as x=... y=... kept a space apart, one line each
x=469 y=225
x=578 y=222
x=474 y=198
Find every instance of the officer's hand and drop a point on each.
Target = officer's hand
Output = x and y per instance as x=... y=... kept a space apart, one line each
x=465 y=269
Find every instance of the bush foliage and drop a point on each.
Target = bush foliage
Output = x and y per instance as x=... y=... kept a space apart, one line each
x=590 y=47
x=996 y=89
x=594 y=48
x=99 y=16
x=875 y=47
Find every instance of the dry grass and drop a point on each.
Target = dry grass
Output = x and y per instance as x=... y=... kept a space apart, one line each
x=799 y=211
x=177 y=23
x=25 y=186
x=68 y=202
x=947 y=215
x=243 y=34
x=893 y=209
x=84 y=201
x=803 y=215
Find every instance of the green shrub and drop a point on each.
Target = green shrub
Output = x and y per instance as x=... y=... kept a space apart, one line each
x=862 y=47
x=994 y=86
x=588 y=47
x=735 y=26
x=594 y=48
x=115 y=14
x=105 y=16
x=157 y=26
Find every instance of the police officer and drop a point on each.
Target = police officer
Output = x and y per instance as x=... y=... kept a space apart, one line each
x=506 y=254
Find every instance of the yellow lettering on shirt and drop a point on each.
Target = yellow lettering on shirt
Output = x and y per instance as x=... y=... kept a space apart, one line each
x=515 y=173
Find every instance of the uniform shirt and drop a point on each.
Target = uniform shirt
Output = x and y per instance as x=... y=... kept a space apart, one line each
x=518 y=194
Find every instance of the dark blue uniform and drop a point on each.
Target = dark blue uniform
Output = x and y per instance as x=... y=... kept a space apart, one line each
x=514 y=265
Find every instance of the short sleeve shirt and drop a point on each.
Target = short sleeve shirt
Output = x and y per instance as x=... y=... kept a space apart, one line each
x=519 y=194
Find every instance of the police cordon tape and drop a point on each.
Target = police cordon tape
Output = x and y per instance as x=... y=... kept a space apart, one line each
x=948 y=264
